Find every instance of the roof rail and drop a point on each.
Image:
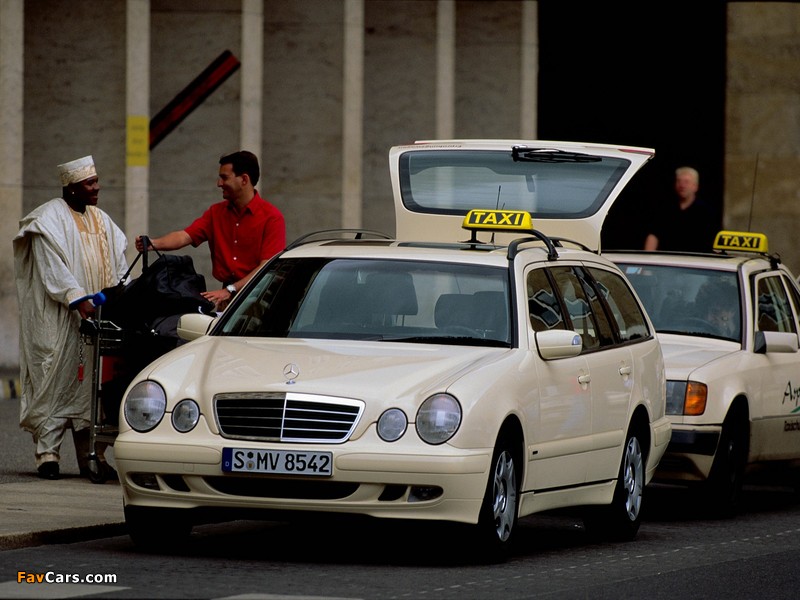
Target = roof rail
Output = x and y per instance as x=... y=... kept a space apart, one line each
x=335 y=234
x=513 y=247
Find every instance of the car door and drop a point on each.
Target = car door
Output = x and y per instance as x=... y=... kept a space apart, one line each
x=610 y=368
x=774 y=437
x=633 y=362
x=561 y=437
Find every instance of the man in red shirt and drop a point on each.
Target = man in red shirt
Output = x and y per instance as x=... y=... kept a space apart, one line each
x=243 y=231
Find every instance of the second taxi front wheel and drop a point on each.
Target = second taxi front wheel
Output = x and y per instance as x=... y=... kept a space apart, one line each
x=724 y=485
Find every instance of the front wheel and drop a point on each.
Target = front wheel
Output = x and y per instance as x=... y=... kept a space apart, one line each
x=157 y=529
x=620 y=520
x=724 y=484
x=498 y=516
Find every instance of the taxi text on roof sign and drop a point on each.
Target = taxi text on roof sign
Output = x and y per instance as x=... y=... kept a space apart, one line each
x=741 y=241
x=498 y=220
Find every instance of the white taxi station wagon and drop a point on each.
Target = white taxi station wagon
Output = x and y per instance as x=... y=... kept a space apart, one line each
x=476 y=368
x=728 y=323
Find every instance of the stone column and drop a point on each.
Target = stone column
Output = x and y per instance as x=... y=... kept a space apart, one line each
x=529 y=70
x=353 y=113
x=252 y=94
x=445 y=68
x=137 y=92
x=12 y=26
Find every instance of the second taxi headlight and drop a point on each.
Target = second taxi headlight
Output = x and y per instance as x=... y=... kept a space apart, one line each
x=145 y=406
x=438 y=418
x=185 y=415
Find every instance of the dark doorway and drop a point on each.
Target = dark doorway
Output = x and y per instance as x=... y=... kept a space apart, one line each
x=642 y=74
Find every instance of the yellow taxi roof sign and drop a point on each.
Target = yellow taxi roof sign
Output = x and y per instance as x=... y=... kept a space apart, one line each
x=741 y=241
x=498 y=220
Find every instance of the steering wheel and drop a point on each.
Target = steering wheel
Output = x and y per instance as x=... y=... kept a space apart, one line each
x=699 y=325
x=462 y=330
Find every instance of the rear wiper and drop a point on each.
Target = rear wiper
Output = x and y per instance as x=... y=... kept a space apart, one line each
x=549 y=155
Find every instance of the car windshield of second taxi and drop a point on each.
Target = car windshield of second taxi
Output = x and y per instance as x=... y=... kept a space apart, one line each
x=385 y=300
x=689 y=301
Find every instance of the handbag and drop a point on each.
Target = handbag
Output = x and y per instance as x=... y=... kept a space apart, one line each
x=169 y=286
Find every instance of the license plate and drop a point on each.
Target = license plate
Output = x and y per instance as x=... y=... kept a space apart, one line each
x=281 y=462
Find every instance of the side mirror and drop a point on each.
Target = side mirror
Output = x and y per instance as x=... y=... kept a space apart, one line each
x=775 y=341
x=194 y=325
x=558 y=343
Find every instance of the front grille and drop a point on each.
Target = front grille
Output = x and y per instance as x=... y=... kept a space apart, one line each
x=279 y=417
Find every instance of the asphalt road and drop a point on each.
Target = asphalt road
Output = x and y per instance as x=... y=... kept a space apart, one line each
x=677 y=555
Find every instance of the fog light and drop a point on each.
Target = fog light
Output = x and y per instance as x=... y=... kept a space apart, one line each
x=392 y=425
x=145 y=480
x=185 y=415
x=422 y=493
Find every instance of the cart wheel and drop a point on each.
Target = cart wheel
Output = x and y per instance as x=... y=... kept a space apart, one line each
x=96 y=473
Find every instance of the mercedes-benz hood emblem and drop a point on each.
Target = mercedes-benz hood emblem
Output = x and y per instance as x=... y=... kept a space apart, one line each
x=291 y=372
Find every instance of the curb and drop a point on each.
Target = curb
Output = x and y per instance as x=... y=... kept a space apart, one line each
x=15 y=541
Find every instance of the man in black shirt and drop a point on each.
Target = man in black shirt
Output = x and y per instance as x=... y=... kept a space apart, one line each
x=686 y=224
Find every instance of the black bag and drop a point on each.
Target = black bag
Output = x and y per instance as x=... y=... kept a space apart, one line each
x=169 y=286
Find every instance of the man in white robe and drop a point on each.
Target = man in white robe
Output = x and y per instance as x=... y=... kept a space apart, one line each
x=66 y=250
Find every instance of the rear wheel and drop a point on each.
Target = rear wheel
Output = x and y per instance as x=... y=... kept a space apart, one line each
x=498 y=516
x=620 y=520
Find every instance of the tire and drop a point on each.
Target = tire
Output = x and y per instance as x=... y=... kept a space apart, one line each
x=723 y=489
x=497 y=522
x=157 y=529
x=620 y=520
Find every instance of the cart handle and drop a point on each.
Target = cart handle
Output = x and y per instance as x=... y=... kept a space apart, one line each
x=97 y=299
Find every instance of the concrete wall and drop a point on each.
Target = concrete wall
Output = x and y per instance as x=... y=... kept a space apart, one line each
x=74 y=104
x=762 y=133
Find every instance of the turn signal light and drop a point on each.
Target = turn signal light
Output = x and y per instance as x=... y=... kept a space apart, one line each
x=696 y=396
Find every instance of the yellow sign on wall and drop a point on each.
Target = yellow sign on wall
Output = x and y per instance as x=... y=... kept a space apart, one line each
x=138 y=141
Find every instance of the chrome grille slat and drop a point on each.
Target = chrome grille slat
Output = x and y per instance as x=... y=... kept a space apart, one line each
x=286 y=417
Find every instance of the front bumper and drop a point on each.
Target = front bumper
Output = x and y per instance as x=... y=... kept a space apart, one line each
x=446 y=485
x=690 y=453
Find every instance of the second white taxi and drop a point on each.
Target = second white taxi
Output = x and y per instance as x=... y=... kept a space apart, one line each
x=728 y=322
x=475 y=378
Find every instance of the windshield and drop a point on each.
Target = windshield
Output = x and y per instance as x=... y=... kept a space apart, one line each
x=548 y=184
x=688 y=301
x=376 y=299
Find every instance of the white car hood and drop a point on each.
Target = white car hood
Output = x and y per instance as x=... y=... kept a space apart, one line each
x=379 y=371
x=682 y=357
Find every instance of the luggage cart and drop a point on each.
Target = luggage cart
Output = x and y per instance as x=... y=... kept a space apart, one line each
x=107 y=342
x=132 y=338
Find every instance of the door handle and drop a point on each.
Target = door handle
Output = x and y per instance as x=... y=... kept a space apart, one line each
x=625 y=370
x=584 y=379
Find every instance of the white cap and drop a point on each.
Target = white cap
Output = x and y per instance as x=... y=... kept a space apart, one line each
x=77 y=170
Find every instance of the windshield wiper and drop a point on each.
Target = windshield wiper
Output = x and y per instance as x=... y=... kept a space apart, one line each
x=457 y=340
x=550 y=155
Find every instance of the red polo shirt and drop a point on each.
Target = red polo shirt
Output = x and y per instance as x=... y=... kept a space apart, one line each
x=239 y=240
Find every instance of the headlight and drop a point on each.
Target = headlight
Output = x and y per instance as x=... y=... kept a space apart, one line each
x=185 y=415
x=145 y=406
x=392 y=425
x=438 y=418
x=676 y=394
